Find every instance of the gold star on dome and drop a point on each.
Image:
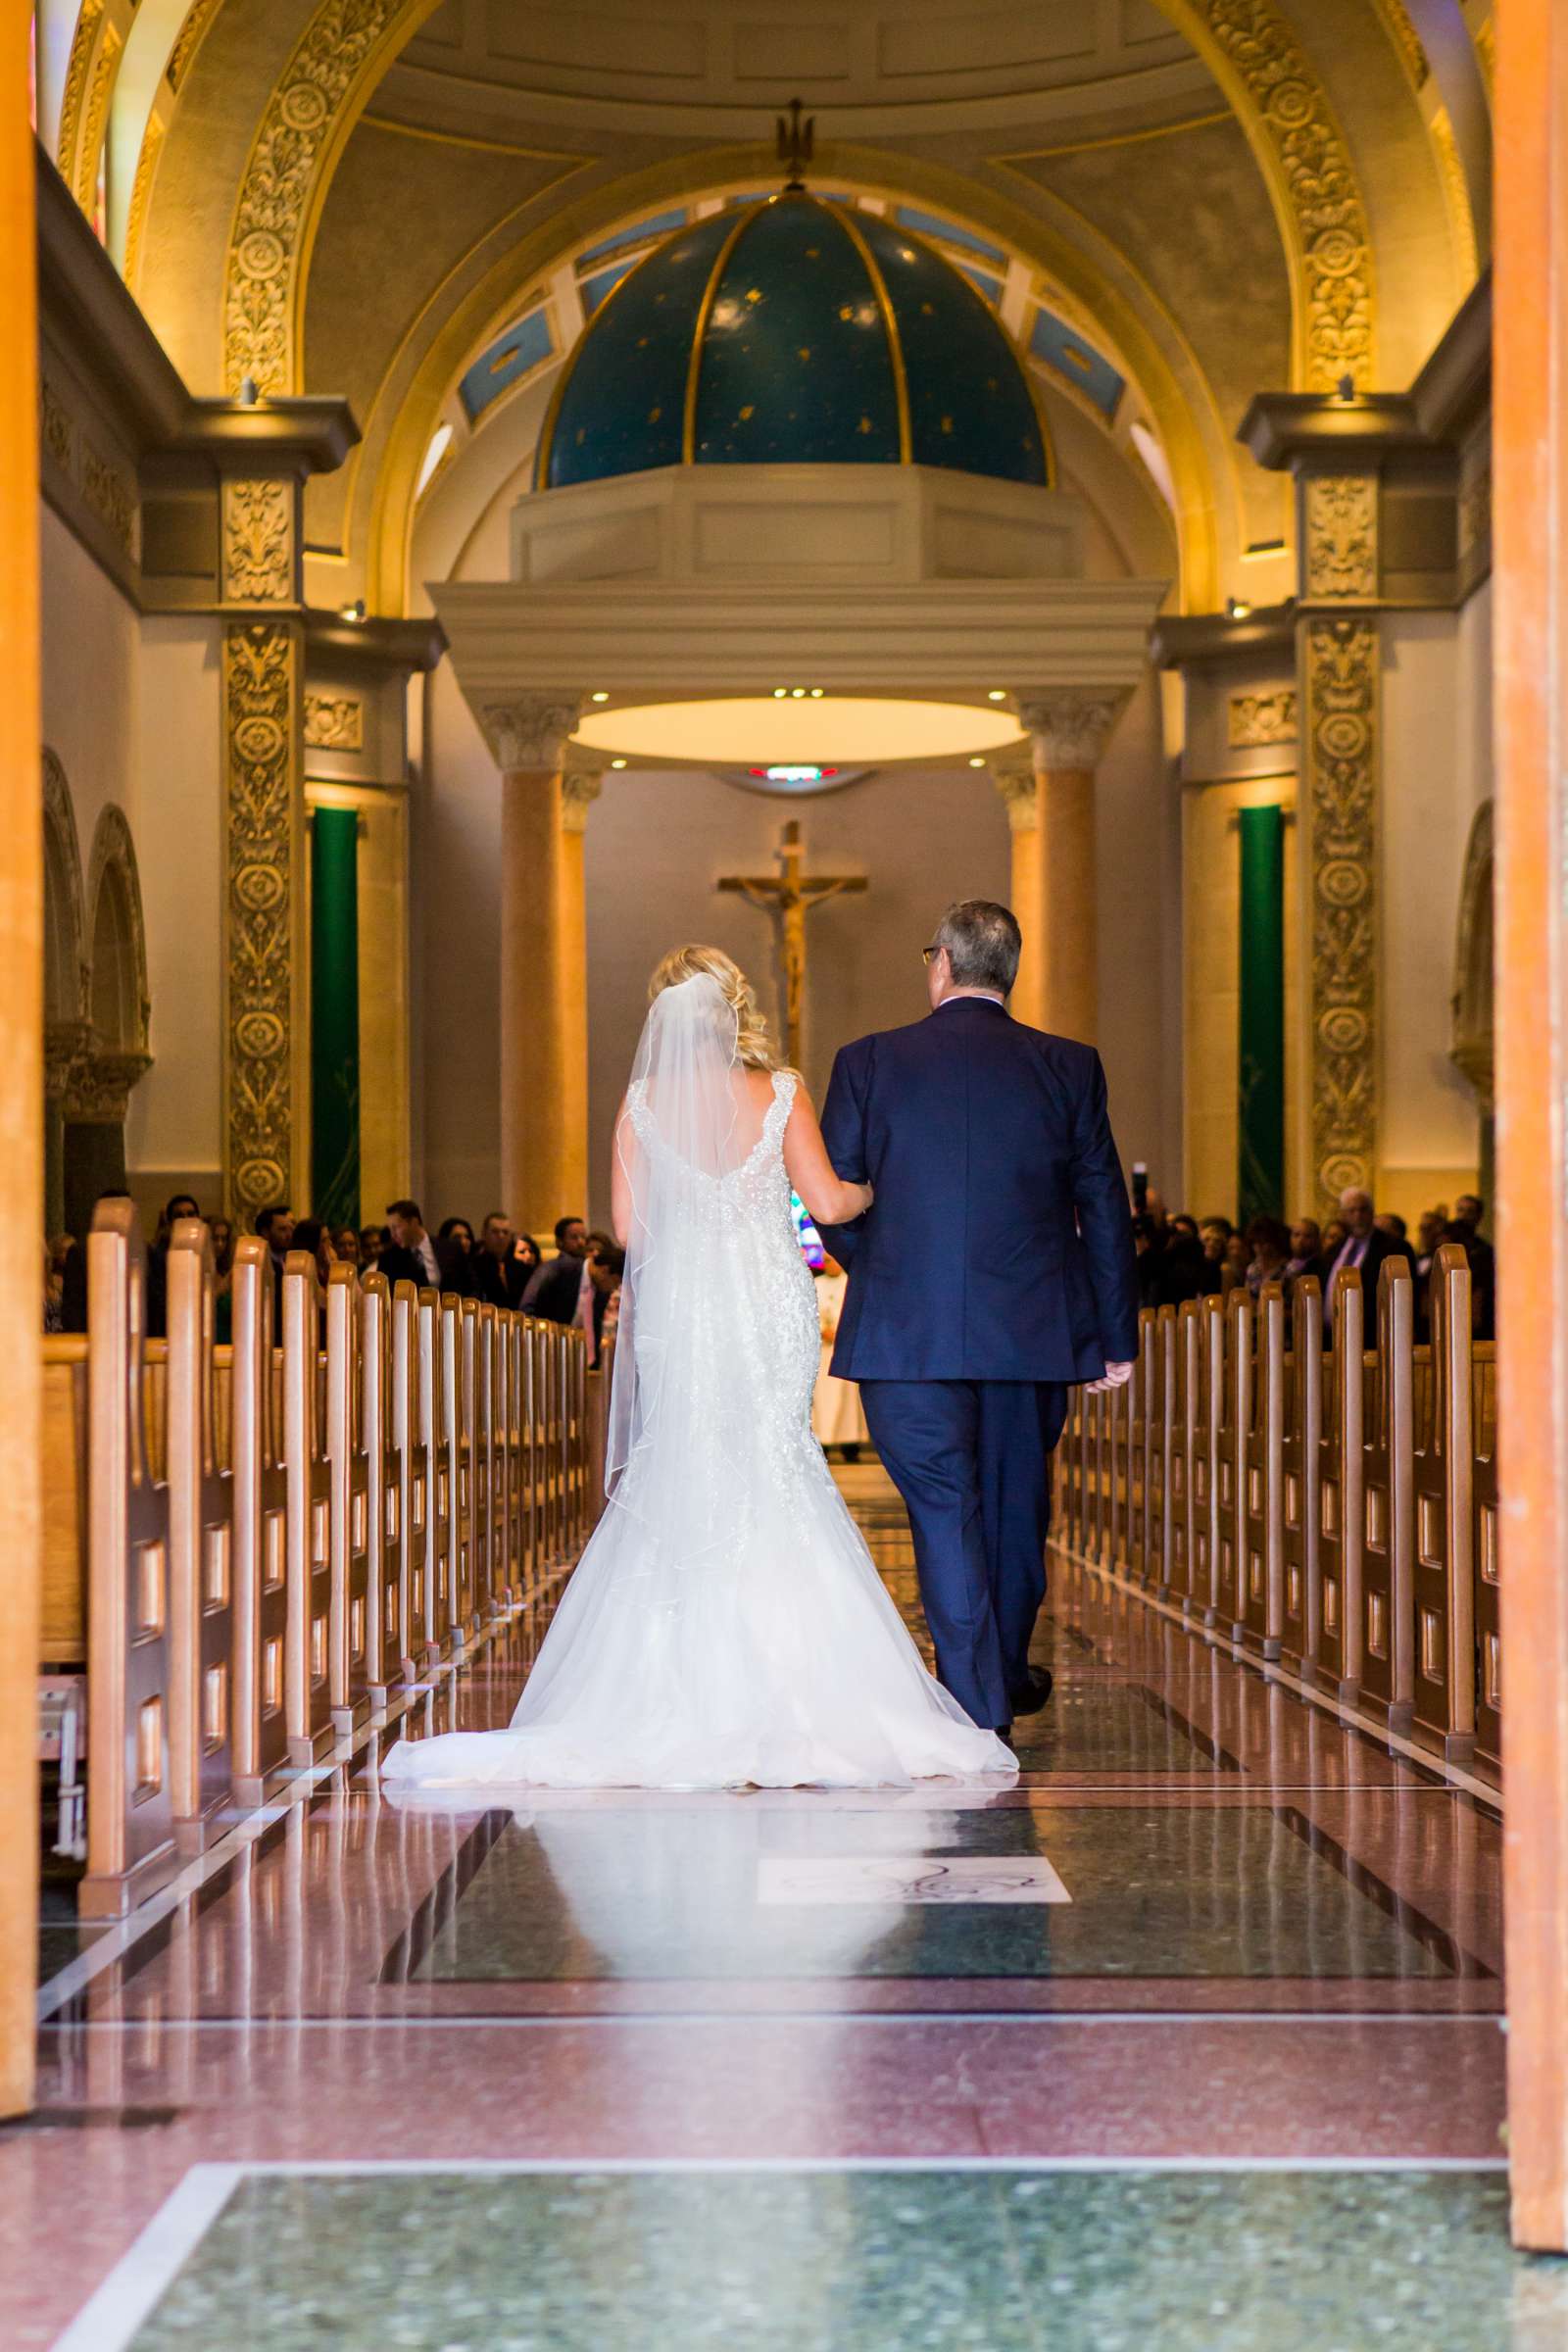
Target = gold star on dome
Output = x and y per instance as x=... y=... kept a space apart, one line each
x=947 y=424
x=653 y=415
x=845 y=310
x=927 y=310
x=805 y=351
x=864 y=425
x=745 y=416
x=754 y=293
x=814 y=252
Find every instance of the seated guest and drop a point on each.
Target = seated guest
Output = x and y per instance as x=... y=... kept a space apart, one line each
x=458 y=1231
x=557 y=1290
x=1149 y=1243
x=499 y=1270
x=222 y=1233
x=73 y=1275
x=412 y=1257
x=607 y=1269
x=1184 y=1270
x=1364 y=1246
x=372 y=1241
x=1269 y=1241
x=345 y=1247
x=1306 y=1249
x=179 y=1204
x=1235 y=1262
x=310 y=1235
x=1469 y=1213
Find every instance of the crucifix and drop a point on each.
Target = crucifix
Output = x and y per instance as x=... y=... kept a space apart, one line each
x=789 y=897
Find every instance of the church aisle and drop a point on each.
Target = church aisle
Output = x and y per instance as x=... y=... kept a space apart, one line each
x=955 y=2066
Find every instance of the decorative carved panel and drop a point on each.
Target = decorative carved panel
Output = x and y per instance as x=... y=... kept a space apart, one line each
x=334 y=722
x=259 y=542
x=1340 y=677
x=112 y=498
x=262 y=662
x=1320 y=183
x=1261 y=718
x=1340 y=514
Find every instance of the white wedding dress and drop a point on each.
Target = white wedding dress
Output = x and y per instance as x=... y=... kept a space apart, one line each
x=726 y=1625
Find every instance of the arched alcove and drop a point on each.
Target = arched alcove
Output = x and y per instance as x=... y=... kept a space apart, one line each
x=67 y=978
x=120 y=1005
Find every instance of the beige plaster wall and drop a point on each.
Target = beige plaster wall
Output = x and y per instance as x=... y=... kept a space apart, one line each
x=1139 y=880
x=174 y=1135
x=91 y=704
x=1437 y=769
x=658 y=843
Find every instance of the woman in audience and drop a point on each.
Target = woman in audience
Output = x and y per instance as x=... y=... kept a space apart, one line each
x=459 y=1230
x=1269 y=1241
x=372 y=1241
x=346 y=1245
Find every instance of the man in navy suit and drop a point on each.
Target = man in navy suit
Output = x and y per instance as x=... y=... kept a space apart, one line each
x=994 y=1269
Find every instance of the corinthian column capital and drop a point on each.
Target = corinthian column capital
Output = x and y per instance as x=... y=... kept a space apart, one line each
x=1013 y=772
x=582 y=781
x=1072 y=724
x=530 y=730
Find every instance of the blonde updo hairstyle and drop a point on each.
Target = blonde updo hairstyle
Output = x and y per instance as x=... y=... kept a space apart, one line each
x=752 y=1046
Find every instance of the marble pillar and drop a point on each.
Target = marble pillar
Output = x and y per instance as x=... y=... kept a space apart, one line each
x=1070 y=728
x=544 y=979
x=1013 y=774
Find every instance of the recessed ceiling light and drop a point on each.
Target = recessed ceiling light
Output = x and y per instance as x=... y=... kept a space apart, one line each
x=816 y=694
x=599 y=697
x=617 y=764
x=798 y=694
x=997 y=693
x=779 y=692
x=977 y=762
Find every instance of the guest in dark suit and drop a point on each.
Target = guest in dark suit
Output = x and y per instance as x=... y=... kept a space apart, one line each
x=1365 y=1246
x=413 y=1256
x=994 y=1268
x=556 y=1291
x=500 y=1269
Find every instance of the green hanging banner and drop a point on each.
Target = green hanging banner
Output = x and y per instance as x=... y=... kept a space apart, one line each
x=1260 y=1040
x=336 y=1015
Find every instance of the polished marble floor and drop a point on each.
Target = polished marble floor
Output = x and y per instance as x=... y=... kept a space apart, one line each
x=1219 y=1978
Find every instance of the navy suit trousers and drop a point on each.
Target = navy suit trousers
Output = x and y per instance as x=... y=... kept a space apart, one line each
x=971 y=1460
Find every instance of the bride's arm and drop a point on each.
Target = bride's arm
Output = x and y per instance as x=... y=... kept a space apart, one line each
x=828 y=1200
x=623 y=1145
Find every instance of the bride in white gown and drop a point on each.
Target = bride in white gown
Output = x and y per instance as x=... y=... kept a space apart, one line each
x=726 y=1625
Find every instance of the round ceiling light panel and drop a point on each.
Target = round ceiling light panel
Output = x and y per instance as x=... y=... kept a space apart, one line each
x=762 y=730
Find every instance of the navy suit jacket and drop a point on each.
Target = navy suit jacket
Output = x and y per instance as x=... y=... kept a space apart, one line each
x=999 y=1243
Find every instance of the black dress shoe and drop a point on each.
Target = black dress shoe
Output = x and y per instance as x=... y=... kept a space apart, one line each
x=1035 y=1692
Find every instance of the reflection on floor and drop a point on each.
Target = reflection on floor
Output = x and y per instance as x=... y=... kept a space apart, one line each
x=955 y=2066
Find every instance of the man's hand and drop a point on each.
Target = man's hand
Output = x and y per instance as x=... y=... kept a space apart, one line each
x=1116 y=1376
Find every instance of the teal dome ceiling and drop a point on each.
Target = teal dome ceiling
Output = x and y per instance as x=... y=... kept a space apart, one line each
x=793 y=331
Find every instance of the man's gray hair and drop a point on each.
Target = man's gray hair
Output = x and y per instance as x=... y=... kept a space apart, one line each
x=983 y=942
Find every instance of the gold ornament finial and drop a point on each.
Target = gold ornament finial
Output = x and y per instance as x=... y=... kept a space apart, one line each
x=796 y=143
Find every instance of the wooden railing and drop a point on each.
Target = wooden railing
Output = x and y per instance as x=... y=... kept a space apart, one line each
x=249 y=1550
x=1324 y=1504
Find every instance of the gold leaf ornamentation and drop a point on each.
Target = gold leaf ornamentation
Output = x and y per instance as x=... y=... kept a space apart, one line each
x=258 y=542
x=1320 y=182
x=267 y=237
x=261 y=696
x=1254 y=719
x=1340 y=669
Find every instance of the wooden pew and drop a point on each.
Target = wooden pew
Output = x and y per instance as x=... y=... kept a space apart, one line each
x=1388 y=1647
x=307 y=1656
x=260 y=1491
x=1183 y=1446
x=435 y=1632
x=409 y=1521
x=1443 y=1569
x=383 y=1563
x=201 y=1564
x=1337 y=1660
x=131 y=1846
x=1303 y=1453
x=349 y=1514
x=1260 y=1515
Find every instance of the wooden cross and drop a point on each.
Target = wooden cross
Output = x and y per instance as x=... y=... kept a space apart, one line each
x=789 y=897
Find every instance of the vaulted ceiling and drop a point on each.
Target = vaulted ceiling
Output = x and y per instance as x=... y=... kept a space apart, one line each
x=1173 y=205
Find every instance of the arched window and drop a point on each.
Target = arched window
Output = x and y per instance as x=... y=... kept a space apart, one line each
x=120 y=1005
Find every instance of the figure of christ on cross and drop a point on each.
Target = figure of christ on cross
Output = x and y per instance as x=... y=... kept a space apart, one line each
x=789 y=897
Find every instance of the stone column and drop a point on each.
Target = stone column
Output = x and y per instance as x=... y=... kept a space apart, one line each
x=1013 y=774
x=1070 y=728
x=544 y=979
